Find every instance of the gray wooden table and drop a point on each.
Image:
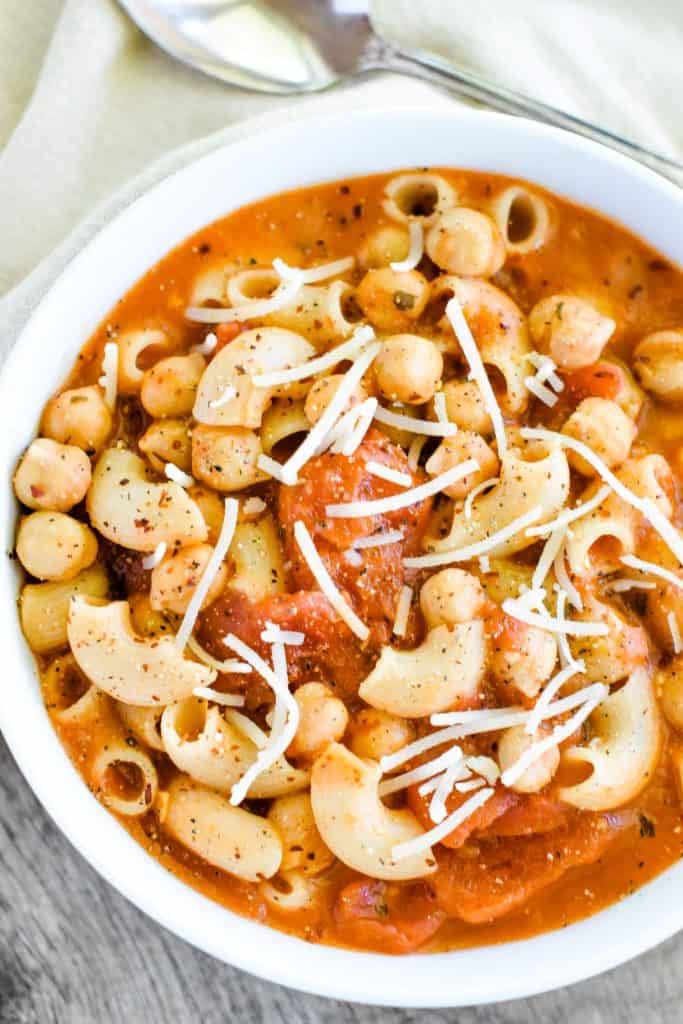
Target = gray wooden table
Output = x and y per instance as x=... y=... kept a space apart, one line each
x=73 y=951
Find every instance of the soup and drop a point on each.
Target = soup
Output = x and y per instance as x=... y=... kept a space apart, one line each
x=353 y=561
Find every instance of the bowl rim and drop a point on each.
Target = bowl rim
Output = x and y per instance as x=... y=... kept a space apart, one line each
x=457 y=978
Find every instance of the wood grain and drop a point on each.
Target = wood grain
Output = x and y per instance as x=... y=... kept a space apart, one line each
x=72 y=951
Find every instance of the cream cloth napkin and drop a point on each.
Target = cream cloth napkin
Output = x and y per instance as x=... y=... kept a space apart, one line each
x=92 y=114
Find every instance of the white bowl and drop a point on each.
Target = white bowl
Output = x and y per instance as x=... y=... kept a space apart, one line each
x=303 y=153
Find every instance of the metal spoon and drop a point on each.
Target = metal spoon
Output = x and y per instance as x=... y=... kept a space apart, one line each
x=300 y=46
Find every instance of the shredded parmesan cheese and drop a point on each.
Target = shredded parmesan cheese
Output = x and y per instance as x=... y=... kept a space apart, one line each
x=309 y=446
x=653 y=569
x=403 y=611
x=212 y=566
x=346 y=443
x=285 y=718
x=550 y=551
x=551 y=688
x=436 y=834
x=248 y=728
x=313 y=274
x=482 y=547
x=423 y=771
x=512 y=606
x=471 y=352
x=378 y=540
x=273 y=468
x=476 y=491
x=415 y=450
x=361 y=337
x=207 y=346
x=430 y=428
x=561 y=638
x=282 y=295
x=470 y=723
x=562 y=577
x=326 y=583
x=440 y=407
x=110 y=374
x=178 y=476
x=627 y=583
x=540 y=391
x=415 y=250
x=547 y=370
x=468 y=786
x=437 y=806
x=570 y=515
x=675 y=632
x=229 y=665
x=484 y=564
x=272 y=634
x=540 y=747
x=151 y=561
x=228 y=700
x=394 y=476
x=380 y=506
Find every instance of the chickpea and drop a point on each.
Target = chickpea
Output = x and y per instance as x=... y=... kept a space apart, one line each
x=384 y=246
x=323 y=391
x=454 y=450
x=451 y=596
x=408 y=369
x=512 y=745
x=376 y=734
x=169 y=388
x=323 y=719
x=53 y=546
x=605 y=428
x=52 y=476
x=391 y=300
x=669 y=686
x=465 y=407
x=167 y=441
x=522 y=657
x=466 y=242
x=569 y=330
x=658 y=363
x=175 y=579
x=79 y=416
x=226 y=457
x=302 y=846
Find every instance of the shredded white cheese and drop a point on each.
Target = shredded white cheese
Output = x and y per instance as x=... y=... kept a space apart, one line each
x=393 y=476
x=440 y=407
x=416 y=748
x=309 y=445
x=348 y=433
x=429 y=428
x=361 y=337
x=415 y=450
x=561 y=638
x=550 y=551
x=540 y=391
x=485 y=766
x=273 y=468
x=675 y=632
x=378 y=540
x=178 y=476
x=415 y=249
x=540 y=747
x=570 y=515
x=469 y=786
x=380 y=506
x=313 y=274
x=449 y=824
x=423 y=771
x=326 y=583
x=212 y=566
x=403 y=611
x=484 y=564
x=470 y=723
x=110 y=374
x=471 y=352
x=256 y=309
x=285 y=718
x=512 y=606
x=562 y=577
x=229 y=665
x=207 y=346
x=154 y=559
x=248 y=728
x=547 y=370
x=444 y=787
x=476 y=491
x=273 y=634
x=552 y=687
x=653 y=569
x=228 y=700
x=627 y=583
x=482 y=547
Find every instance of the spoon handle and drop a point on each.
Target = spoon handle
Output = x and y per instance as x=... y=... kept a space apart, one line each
x=434 y=69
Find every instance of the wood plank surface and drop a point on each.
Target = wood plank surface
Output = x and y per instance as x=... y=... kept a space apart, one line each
x=72 y=951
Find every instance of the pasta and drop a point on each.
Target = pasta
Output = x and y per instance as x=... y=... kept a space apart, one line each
x=353 y=565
